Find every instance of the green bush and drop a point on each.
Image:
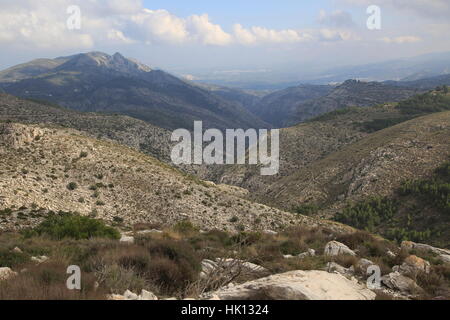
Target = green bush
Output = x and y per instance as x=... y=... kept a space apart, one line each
x=74 y=227
x=72 y=186
x=306 y=209
x=11 y=259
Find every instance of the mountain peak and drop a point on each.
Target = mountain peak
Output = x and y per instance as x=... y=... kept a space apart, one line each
x=104 y=61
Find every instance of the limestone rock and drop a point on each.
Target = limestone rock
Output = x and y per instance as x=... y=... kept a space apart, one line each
x=334 y=248
x=127 y=239
x=147 y=295
x=364 y=264
x=297 y=285
x=309 y=253
x=444 y=254
x=397 y=281
x=17 y=250
x=413 y=265
x=39 y=259
x=128 y=295
x=6 y=273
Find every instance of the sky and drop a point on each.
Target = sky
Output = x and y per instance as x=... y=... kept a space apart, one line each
x=196 y=36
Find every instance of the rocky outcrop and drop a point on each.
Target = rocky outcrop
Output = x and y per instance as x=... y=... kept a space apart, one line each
x=334 y=248
x=230 y=267
x=6 y=273
x=297 y=285
x=444 y=254
x=413 y=265
x=397 y=281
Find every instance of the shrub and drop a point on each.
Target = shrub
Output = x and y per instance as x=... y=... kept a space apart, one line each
x=174 y=265
x=11 y=259
x=72 y=186
x=48 y=282
x=185 y=227
x=74 y=227
x=306 y=209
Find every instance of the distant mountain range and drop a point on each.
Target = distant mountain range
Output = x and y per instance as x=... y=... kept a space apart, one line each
x=99 y=82
x=298 y=104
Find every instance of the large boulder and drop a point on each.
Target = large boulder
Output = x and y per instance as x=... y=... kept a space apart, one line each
x=334 y=248
x=363 y=265
x=337 y=268
x=6 y=273
x=297 y=285
x=397 y=281
x=413 y=265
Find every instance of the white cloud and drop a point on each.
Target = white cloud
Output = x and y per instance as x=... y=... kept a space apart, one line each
x=336 y=35
x=260 y=35
x=337 y=18
x=159 y=26
x=207 y=32
x=25 y=23
x=401 y=40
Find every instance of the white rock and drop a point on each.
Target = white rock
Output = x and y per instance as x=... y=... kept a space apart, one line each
x=39 y=259
x=364 y=264
x=337 y=268
x=309 y=253
x=17 y=250
x=270 y=232
x=238 y=264
x=397 y=281
x=334 y=248
x=230 y=267
x=208 y=267
x=390 y=254
x=147 y=295
x=6 y=273
x=128 y=295
x=297 y=285
x=144 y=232
x=288 y=256
x=127 y=239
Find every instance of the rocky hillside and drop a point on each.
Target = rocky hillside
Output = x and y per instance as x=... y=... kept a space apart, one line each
x=99 y=82
x=374 y=165
x=63 y=169
x=128 y=131
x=352 y=155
